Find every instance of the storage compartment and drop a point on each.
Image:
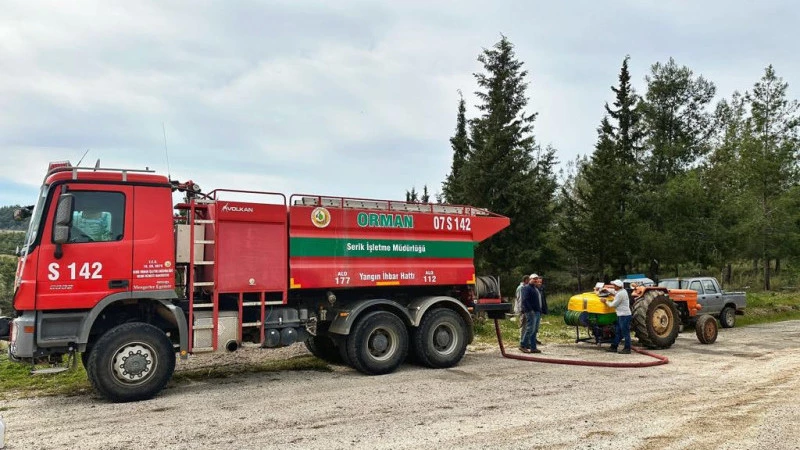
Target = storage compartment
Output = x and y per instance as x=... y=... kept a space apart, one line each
x=227 y=329
x=183 y=241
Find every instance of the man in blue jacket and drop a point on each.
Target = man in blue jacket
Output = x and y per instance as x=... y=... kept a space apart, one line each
x=532 y=308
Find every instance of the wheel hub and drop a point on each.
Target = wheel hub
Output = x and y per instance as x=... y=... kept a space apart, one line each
x=379 y=343
x=133 y=363
x=443 y=337
x=661 y=321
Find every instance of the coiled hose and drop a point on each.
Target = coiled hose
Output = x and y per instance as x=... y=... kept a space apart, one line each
x=487 y=287
x=576 y=362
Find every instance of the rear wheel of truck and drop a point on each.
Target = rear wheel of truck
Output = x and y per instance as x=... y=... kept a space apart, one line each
x=727 y=317
x=131 y=362
x=441 y=339
x=706 y=329
x=378 y=343
x=655 y=320
x=323 y=348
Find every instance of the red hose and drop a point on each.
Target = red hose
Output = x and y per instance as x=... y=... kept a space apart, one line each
x=575 y=362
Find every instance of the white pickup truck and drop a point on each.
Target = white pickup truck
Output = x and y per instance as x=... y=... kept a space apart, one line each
x=724 y=305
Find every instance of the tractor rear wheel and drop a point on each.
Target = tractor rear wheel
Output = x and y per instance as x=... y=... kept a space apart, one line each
x=655 y=320
x=706 y=329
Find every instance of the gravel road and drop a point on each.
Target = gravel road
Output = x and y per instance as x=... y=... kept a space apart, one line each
x=742 y=392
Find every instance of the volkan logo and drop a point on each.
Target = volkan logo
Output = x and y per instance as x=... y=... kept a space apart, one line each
x=228 y=208
x=320 y=217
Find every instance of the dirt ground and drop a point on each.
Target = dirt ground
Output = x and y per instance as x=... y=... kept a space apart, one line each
x=741 y=393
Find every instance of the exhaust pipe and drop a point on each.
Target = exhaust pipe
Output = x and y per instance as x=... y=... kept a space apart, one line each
x=231 y=346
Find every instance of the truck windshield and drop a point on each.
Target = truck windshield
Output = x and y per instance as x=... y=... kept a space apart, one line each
x=36 y=218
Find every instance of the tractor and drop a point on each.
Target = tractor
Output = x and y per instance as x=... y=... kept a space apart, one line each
x=658 y=314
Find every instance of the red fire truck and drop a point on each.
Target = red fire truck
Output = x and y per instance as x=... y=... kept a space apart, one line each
x=113 y=271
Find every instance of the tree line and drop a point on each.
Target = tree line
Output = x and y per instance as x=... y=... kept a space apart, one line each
x=677 y=178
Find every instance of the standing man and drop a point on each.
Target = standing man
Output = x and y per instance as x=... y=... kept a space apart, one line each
x=537 y=284
x=532 y=307
x=622 y=327
x=518 y=307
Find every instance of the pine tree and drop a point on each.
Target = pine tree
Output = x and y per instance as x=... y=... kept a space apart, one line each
x=769 y=167
x=607 y=185
x=500 y=173
x=678 y=129
x=412 y=196
x=678 y=123
x=452 y=188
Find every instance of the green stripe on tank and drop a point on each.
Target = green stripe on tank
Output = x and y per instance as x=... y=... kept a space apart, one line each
x=379 y=248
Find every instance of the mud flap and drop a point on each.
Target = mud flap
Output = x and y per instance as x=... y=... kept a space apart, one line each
x=5 y=328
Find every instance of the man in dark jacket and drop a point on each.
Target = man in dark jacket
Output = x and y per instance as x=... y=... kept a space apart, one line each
x=532 y=308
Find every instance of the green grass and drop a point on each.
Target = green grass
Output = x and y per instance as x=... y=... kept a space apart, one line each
x=766 y=307
x=16 y=380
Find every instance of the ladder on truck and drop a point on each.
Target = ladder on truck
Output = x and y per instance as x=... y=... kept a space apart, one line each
x=201 y=207
x=202 y=273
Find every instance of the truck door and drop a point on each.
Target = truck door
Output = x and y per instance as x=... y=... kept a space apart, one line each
x=96 y=260
x=713 y=296
x=701 y=297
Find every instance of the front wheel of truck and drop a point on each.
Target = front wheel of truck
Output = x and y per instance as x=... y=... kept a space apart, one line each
x=131 y=362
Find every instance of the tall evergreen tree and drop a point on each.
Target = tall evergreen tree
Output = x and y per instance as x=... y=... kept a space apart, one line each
x=452 y=189
x=608 y=185
x=501 y=173
x=678 y=129
x=678 y=123
x=770 y=167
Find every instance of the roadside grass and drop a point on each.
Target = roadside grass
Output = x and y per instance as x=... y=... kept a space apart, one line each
x=766 y=307
x=16 y=381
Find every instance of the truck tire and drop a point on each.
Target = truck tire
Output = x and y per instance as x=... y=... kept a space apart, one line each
x=323 y=348
x=727 y=317
x=440 y=340
x=706 y=329
x=378 y=343
x=655 y=320
x=131 y=362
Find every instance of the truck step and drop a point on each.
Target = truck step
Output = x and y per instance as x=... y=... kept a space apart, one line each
x=203 y=327
x=203 y=283
x=202 y=349
x=203 y=263
x=49 y=371
x=203 y=305
x=203 y=241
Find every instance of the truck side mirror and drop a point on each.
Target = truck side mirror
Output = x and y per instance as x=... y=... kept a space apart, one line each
x=22 y=213
x=66 y=204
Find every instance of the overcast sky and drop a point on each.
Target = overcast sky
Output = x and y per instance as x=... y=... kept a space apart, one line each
x=336 y=97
